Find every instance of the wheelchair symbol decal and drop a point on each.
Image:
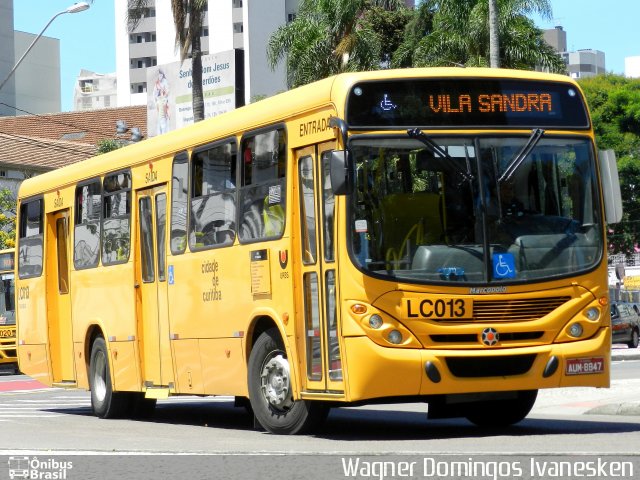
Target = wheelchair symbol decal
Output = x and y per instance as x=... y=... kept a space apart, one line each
x=504 y=265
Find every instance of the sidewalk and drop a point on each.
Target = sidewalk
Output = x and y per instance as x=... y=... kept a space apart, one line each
x=623 y=398
x=622 y=352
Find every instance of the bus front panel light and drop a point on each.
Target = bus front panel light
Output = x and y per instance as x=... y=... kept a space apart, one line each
x=395 y=337
x=375 y=321
x=575 y=330
x=592 y=314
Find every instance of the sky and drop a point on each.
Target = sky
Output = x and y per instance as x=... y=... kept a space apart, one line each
x=87 y=38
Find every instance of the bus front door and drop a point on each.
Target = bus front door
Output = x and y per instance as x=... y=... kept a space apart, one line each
x=316 y=272
x=58 y=301
x=151 y=287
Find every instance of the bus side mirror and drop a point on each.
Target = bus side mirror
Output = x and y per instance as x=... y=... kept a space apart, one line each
x=339 y=169
x=610 y=186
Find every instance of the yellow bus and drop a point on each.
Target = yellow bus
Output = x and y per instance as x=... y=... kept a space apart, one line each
x=8 y=358
x=422 y=234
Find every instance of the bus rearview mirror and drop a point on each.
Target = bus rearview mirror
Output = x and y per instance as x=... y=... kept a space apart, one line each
x=339 y=172
x=610 y=186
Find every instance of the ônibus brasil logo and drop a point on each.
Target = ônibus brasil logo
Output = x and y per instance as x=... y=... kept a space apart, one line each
x=34 y=468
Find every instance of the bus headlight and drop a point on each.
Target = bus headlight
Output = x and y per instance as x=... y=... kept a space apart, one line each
x=375 y=321
x=395 y=337
x=575 y=330
x=592 y=314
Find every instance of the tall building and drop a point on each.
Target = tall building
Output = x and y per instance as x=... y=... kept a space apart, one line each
x=580 y=63
x=35 y=85
x=7 y=94
x=37 y=79
x=237 y=24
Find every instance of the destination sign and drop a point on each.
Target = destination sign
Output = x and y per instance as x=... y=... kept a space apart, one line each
x=6 y=262
x=465 y=102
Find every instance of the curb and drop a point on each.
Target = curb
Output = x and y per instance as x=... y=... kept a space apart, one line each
x=624 y=355
x=632 y=408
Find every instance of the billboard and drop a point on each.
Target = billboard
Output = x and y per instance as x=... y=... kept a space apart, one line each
x=169 y=98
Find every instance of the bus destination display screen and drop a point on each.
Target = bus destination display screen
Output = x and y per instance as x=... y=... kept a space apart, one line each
x=6 y=262
x=464 y=102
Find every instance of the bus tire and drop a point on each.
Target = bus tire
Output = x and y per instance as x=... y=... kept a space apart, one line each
x=270 y=390
x=104 y=401
x=501 y=413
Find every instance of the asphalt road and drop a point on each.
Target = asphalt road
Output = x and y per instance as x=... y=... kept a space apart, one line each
x=213 y=439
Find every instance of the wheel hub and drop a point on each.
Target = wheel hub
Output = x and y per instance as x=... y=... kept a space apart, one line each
x=275 y=382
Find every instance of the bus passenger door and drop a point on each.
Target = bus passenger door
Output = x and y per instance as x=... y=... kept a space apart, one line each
x=316 y=272
x=58 y=301
x=151 y=286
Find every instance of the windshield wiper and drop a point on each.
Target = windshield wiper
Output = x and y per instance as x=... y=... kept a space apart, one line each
x=535 y=137
x=436 y=149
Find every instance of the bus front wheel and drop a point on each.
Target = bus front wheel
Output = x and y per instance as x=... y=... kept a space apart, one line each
x=270 y=390
x=105 y=402
x=501 y=413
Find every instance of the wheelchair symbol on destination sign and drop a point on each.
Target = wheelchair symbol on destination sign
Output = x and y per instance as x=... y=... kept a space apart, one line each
x=504 y=265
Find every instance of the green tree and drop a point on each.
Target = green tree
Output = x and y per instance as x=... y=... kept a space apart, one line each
x=108 y=145
x=459 y=35
x=614 y=102
x=329 y=37
x=7 y=218
x=188 y=17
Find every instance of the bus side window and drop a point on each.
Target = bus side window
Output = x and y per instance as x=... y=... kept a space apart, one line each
x=31 y=238
x=213 y=196
x=263 y=192
x=179 y=199
x=86 y=251
x=116 y=223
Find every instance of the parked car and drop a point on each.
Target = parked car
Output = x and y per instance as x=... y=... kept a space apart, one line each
x=625 y=324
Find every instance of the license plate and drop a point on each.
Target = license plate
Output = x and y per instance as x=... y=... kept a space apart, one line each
x=438 y=308
x=584 y=366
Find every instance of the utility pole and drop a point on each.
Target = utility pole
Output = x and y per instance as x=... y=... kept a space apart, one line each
x=494 y=41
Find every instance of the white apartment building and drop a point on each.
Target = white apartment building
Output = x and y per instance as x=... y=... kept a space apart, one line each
x=632 y=67
x=229 y=24
x=95 y=91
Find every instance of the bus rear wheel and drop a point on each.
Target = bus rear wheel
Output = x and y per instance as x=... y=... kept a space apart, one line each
x=270 y=390
x=501 y=413
x=105 y=402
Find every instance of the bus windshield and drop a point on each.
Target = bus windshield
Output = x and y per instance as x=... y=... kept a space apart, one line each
x=7 y=303
x=475 y=209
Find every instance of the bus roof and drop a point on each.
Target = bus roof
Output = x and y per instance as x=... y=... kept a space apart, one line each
x=327 y=92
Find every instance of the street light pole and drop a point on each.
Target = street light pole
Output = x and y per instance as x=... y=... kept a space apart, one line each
x=75 y=8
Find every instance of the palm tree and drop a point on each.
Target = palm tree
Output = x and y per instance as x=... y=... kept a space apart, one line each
x=494 y=35
x=188 y=17
x=328 y=37
x=460 y=35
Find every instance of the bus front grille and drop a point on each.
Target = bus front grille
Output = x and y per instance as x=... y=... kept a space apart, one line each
x=499 y=366
x=515 y=310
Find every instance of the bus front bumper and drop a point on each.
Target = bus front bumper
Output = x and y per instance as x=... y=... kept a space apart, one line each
x=377 y=372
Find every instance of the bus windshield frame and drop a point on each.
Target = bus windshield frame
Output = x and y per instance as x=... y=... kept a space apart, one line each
x=453 y=217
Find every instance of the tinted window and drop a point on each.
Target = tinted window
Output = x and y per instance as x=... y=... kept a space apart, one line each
x=116 y=240
x=213 y=201
x=86 y=251
x=179 y=199
x=263 y=192
x=30 y=241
